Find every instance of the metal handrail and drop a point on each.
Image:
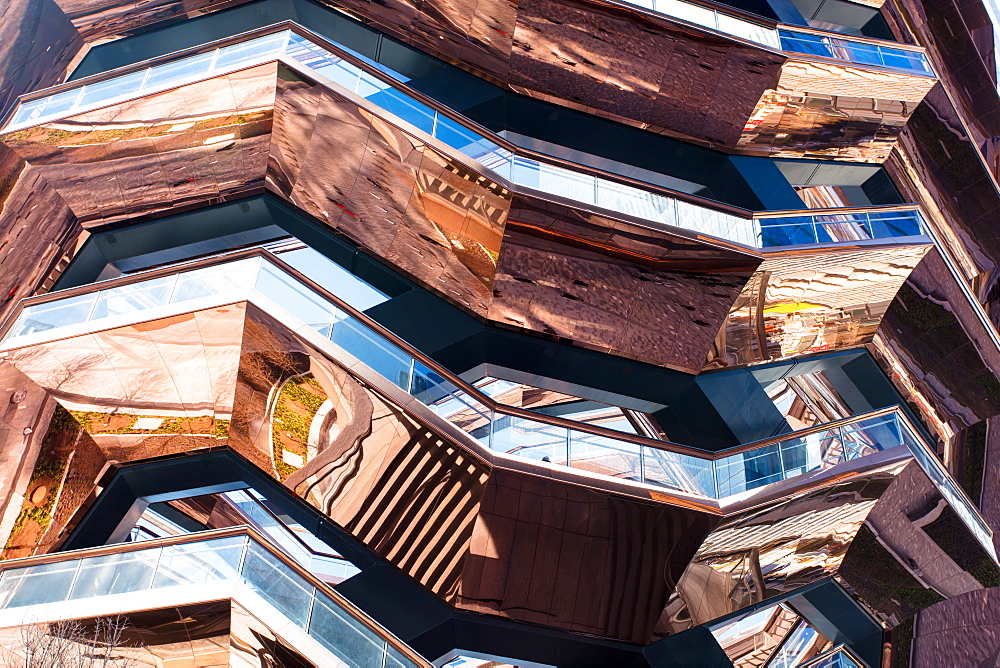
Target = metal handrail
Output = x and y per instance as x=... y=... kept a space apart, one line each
x=436 y=367
x=396 y=83
x=948 y=488
x=439 y=108
x=215 y=534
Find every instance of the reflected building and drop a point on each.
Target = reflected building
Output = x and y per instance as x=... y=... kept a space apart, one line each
x=554 y=333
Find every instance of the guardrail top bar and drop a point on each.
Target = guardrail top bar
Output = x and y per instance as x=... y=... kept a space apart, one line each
x=245 y=531
x=707 y=475
x=649 y=203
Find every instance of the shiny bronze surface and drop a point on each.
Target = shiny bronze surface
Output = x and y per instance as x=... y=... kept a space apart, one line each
x=887 y=535
x=804 y=302
x=613 y=286
x=821 y=109
x=659 y=73
x=937 y=353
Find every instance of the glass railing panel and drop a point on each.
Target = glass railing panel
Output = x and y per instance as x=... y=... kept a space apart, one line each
x=739 y=473
x=278 y=584
x=34 y=585
x=685 y=11
x=793 y=231
x=334 y=278
x=605 y=456
x=253 y=50
x=133 y=297
x=232 y=280
x=47 y=107
x=530 y=439
x=748 y=31
x=350 y=640
x=100 y=91
x=115 y=574
x=403 y=106
x=234 y=559
x=894 y=224
x=179 y=71
x=901 y=59
x=837 y=227
x=805 y=43
x=837 y=658
x=199 y=563
x=307 y=306
x=854 y=51
x=795 y=647
x=842 y=227
x=676 y=471
x=634 y=202
x=54 y=314
x=379 y=355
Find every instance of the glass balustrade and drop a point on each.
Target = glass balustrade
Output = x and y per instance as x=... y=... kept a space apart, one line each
x=155 y=571
x=525 y=172
x=836 y=227
x=706 y=17
x=855 y=51
x=500 y=429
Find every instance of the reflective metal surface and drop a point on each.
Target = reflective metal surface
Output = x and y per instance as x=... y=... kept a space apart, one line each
x=53 y=321
x=887 y=535
x=372 y=464
x=826 y=110
x=648 y=77
x=800 y=303
x=937 y=352
x=295 y=46
x=612 y=286
x=28 y=202
x=428 y=214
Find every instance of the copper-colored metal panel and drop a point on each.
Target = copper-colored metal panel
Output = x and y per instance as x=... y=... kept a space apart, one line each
x=98 y=20
x=938 y=353
x=173 y=149
x=28 y=63
x=962 y=632
x=164 y=365
x=427 y=214
x=829 y=110
x=616 y=61
x=805 y=302
x=561 y=555
x=913 y=551
x=37 y=229
x=772 y=550
x=887 y=534
x=614 y=286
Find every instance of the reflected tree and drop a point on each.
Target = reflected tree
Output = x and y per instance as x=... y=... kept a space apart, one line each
x=73 y=644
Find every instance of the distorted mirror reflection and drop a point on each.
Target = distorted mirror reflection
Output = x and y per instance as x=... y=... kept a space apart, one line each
x=807 y=399
x=775 y=635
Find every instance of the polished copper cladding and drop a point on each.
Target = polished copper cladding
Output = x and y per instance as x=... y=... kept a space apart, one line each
x=392 y=367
